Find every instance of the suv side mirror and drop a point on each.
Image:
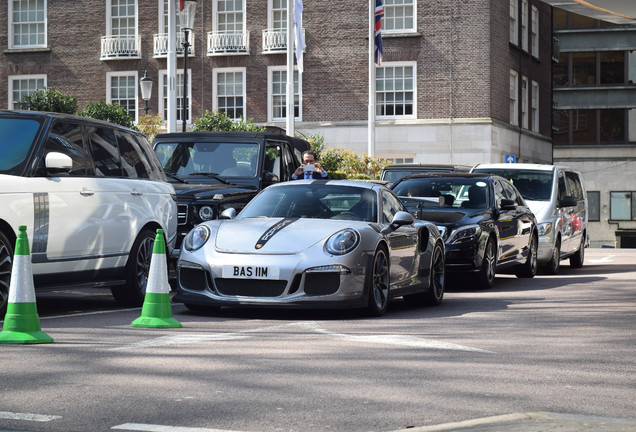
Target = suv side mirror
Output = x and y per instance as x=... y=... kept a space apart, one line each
x=269 y=178
x=508 y=204
x=57 y=163
x=228 y=213
x=568 y=201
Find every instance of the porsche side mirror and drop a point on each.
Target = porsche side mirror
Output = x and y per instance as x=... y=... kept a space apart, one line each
x=402 y=218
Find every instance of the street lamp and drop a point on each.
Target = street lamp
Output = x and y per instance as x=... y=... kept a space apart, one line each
x=146 y=88
x=186 y=21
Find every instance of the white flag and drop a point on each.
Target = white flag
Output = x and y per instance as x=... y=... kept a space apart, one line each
x=299 y=39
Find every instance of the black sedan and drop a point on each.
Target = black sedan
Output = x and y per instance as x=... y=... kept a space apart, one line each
x=485 y=223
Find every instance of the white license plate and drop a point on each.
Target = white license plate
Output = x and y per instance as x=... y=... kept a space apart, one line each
x=250 y=272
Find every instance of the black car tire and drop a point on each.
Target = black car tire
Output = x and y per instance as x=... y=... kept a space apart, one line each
x=6 y=265
x=377 y=283
x=576 y=260
x=486 y=276
x=435 y=293
x=133 y=292
x=552 y=267
x=529 y=268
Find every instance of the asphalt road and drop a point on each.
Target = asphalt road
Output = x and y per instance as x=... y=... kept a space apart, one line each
x=527 y=355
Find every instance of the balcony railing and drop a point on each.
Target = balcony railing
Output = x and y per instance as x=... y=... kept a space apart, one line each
x=275 y=41
x=120 y=47
x=228 y=43
x=161 y=45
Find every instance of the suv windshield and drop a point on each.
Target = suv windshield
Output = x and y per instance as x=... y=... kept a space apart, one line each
x=209 y=159
x=533 y=185
x=18 y=136
x=443 y=192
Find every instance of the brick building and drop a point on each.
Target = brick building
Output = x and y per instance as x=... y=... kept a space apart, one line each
x=460 y=82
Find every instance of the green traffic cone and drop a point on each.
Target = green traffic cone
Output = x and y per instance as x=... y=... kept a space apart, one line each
x=156 y=311
x=21 y=322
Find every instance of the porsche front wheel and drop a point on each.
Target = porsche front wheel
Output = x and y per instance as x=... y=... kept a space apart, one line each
x=377 y=284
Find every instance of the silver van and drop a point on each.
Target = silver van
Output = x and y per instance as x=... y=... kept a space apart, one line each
x=556 y=196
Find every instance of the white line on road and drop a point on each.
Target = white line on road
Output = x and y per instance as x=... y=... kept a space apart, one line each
x=181 y=338
x=162 y=428
x=605 y=259
x=27 y=416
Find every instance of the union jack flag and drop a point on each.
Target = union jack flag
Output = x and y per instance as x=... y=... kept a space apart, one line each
x=181 y=4
x=379 y=13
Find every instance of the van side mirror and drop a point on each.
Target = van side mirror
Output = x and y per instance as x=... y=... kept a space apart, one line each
x=57 y=163
x=568 y=201
x=508 y=204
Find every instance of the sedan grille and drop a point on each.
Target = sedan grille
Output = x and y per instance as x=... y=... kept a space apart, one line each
x=250 y=287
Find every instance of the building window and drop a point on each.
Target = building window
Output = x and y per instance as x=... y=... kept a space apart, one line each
x=622 y=206
x=583 y=125
x=583 y=68
x=277 y=90
x=399 y=16
x=524 y=102
x=560 y=74
x=229 y=16
x=594 y=206
x=229 y=91
x=24 y=85
x=612 y=67
x=612 y=125
x=27 y=24
x=534 y=31
x=524 y=25
x=163 y=17
x=514 y=98
x=278 y=15
x=514 y=22
x=395 y=90
x=534 y=106
x=163 y=101
x=121 y=88
x=123 y=18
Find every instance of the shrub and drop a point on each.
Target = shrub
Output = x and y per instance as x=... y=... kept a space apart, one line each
x=317 y=142
x=113 y=113
x=352 y=164
x=220 y=121
x=49 y=100
x=149 y=125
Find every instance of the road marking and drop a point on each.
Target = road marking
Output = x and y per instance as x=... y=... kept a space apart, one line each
x=89 y=313
x=181 y=338
x=27 y=416
x=605 y=259
x=162 y=428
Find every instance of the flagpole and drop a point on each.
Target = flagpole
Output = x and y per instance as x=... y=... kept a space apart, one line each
x=289 y=113
x=371 y=129
x=172 y=67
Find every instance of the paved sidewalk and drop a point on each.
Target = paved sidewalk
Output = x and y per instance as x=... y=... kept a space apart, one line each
x=534 y=422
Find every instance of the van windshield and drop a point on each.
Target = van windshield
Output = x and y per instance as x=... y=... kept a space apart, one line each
x=18 y=136
x=533 y=185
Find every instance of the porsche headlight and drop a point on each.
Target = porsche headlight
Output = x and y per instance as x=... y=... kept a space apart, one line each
x=206 y=213
x=545 y=228
x=196 y=238
x=465 y=234
x=343 y=242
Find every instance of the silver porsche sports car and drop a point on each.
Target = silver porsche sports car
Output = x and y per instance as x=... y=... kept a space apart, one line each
x=313 y=244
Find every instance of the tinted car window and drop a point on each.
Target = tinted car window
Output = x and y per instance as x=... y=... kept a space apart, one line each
x=67 y=138
x=23 y=133
x=105 y=152
x=534 y=185
x=512 y=194
x=390 y=206
x=133 y=162
x=574 y=184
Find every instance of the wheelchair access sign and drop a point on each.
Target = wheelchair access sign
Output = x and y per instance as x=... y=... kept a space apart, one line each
x=511 y=158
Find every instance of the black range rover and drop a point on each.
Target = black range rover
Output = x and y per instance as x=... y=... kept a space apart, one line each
x=212 y=171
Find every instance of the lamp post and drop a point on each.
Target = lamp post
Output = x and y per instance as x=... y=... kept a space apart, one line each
x=186 y=21
x=146 y=88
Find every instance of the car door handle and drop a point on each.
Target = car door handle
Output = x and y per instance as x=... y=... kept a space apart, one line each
x=135 y=192
x=87 y=192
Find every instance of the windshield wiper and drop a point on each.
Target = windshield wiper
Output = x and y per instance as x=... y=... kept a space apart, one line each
x=210 y=175
x=176 y=177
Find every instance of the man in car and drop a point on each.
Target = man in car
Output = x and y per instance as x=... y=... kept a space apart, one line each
x=310 y=169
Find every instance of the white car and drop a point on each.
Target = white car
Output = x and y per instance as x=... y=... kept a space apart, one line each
x=91 y=194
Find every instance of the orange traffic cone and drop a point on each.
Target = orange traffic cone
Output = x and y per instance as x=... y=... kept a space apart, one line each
x=156 y=311
x=21 y=322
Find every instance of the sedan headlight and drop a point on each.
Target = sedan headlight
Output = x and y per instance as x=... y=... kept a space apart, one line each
x=206 y=213
x=196 y=238
x=343 y=242
x=465 y=234
x=545 y=228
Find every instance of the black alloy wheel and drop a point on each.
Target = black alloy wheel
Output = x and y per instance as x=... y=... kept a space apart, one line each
x=378 y=284
x=132 y=293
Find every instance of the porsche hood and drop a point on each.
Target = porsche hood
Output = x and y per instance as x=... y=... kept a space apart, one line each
x=273 y=235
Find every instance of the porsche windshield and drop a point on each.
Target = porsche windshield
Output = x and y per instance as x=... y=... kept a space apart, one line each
x=316 y=200
x=18 y=136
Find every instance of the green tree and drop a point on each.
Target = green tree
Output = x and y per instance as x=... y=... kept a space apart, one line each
x=113 y=113
x=220 y=121
x=317 y=142
x=49 y=100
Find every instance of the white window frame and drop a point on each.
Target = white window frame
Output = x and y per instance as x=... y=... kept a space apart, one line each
x=270 y=15
x=524 y=102
x=215 y=74
x=270 y=93
x=534 y=106
x=534 y=31
x=514 y=22
x=109 y=18
x=109 y=94
x=163 y=98
x=514 y=98
x=163 y=17
x=387 y=13
x=14 y=78
x=11 y=32
x=215 y=17
x=387 y=65
x=524 y=25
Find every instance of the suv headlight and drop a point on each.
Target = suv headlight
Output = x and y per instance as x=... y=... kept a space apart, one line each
x=206 y=213
x=343 y=242
x=545 y=228
x=196 y=238
x=465 y=234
